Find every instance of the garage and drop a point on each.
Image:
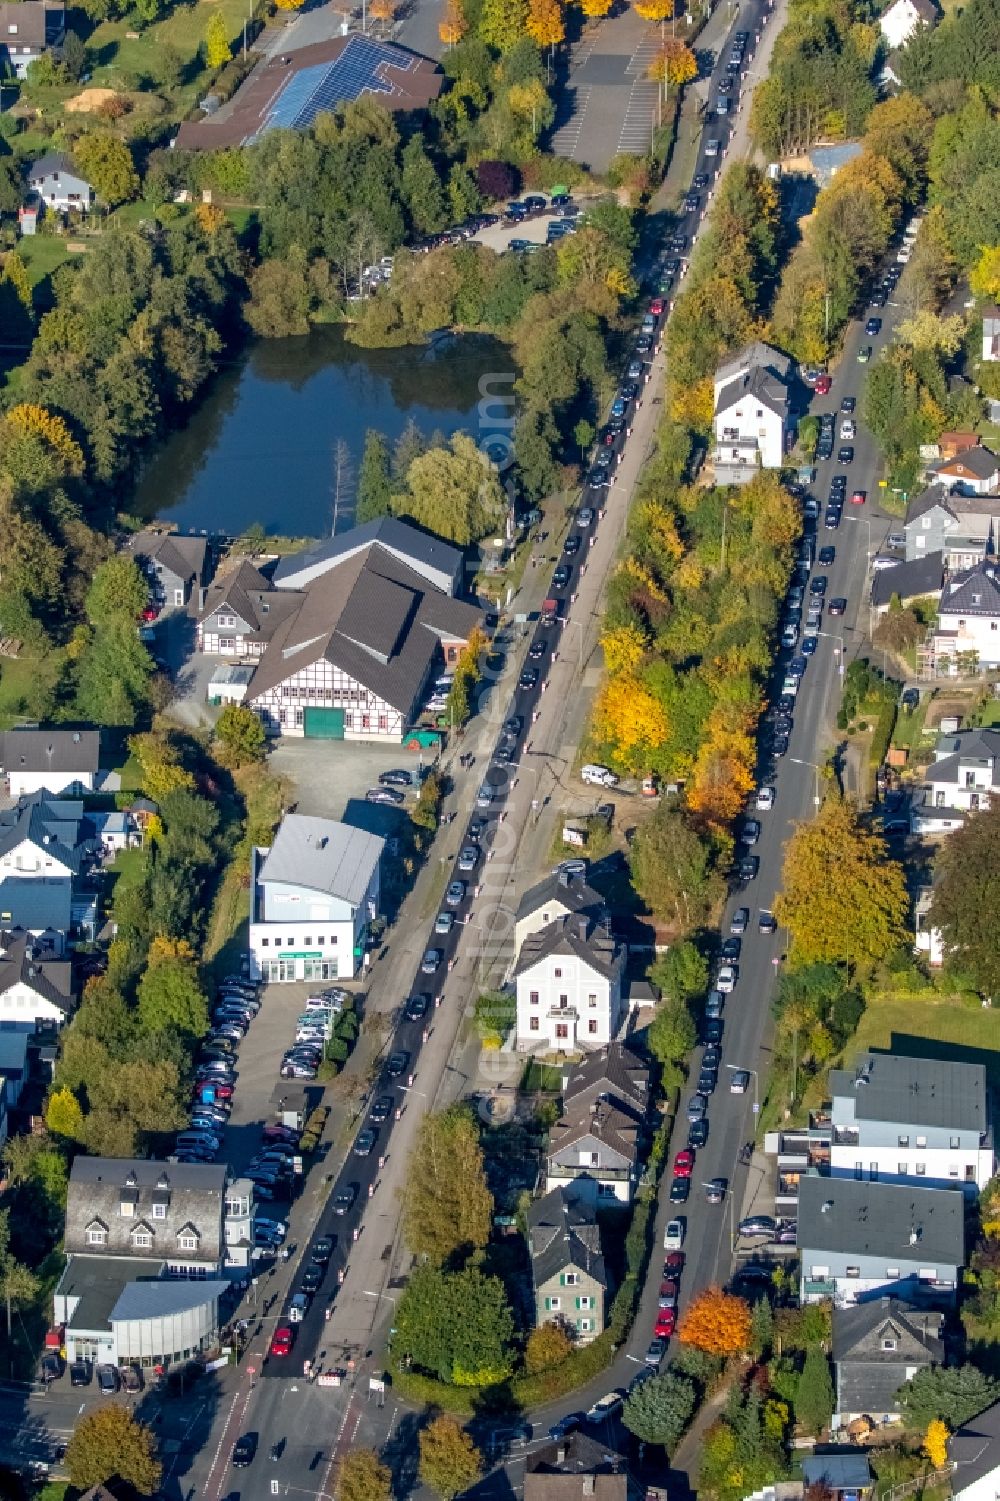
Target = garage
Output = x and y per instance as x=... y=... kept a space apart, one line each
x=324 y=724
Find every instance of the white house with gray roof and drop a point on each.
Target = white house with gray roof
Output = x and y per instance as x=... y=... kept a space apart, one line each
x=962 y=779
x=59 y=185
x=175 y=563
x=752 y=415
x=967 y=633
x=36 y=983
x=961 y=527
x=594 y=1148
x=858 y=1240
x=563 y=893
x=902 y=18
x=569 y=986
x=50 y=760
x=927 y=1120
x=314 y=893
x=433 y=559
x=971 y=471
x=974 y=1456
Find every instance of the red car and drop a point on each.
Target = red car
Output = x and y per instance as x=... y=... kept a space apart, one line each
x=656 y=307
x=859 y=497
x=219 y=1091
x=684 y=1163
x=284 y=1338
x=666 y=1321
x=823 y=385
x=150 y=613
x=674 y=1264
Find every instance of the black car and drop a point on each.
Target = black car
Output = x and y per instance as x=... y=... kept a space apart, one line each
x=826 y=556
x=848 y=404
x=817 y=585
x=712 y=1031
x=322 y=1249
x=571 y=545
x=873 y=327
x=397 y=1064
x=343 y=1202
x=697 y=1133
x=566 y=1425
x=707 y=1080
x=365 y=1141
x=560 y=577
x=730 y=950
x=845 y=454
x=680 y=1190
x=700 y=180
x=528 y=678
x=416 y=1007
x=780 y=745
x=749 y=866
x=381 y=1110
x=244 y=1450
x=312 y=1279
x=836 y=607
x=832 y=519
x=394 y=778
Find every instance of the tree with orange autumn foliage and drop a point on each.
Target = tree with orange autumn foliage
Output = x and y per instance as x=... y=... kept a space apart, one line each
x=723 y=773
x=453 y=25
x=630 y=720
x=545 y=22
x=674 y=63
x=716 y=1322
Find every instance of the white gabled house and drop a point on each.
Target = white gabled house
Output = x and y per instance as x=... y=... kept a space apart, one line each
x=962 y=779
x=569 y=987
x=752 y=415
x=903 y=18
x=967 y=633
x=50 y=760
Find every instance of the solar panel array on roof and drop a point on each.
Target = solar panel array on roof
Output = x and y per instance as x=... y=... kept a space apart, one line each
x=358 y=70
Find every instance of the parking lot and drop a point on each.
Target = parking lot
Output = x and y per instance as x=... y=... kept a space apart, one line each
x=331 y=777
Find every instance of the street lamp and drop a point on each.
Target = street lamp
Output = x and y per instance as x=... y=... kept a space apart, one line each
x=817 y=800
x=738 y=1068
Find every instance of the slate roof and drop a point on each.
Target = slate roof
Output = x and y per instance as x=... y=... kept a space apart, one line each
x=603 y=1121
x=575 y=1468
x=22 y=960
x=909 y=580
x=324 y=855
x=50 y=750
x=758 y=355
x=935 y=495
x=47 y=821
x=36 y=903
x=915 y=1092
x=612 y=1071
x=568 y=888
x=838 y=1472
x=181 y=555
x=192 y=1192
x=562 y=1232
x=981 y=745
x=878 y=1219
x=756 y=385
x=51 y=162
x=375 y=619
x=165 y=1297
x=980 y=461
x=579 y=935
x=975 y=1450
x=251 y=598
x=868 y=1375
x=425 y=552
x=975 y=592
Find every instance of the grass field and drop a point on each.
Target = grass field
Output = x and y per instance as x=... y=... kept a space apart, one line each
x=41 y=255
x=19 y=682
x=114 y=52
x=909 y=729
x=931 y=1026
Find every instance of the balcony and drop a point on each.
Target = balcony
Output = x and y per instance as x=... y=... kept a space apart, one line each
x=846 y=1136
x=817 y=1287
x=567 y=1171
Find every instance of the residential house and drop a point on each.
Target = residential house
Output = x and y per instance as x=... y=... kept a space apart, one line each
x=844 y=1477
x=314 y=895
x=28 y=28
x=47 y=847
x=967 y=634
x=973 y=471
x=891 y=74
x=904 y=17
x=896 y=1119
x=961 y=527
x=176 y=565
x=241 y=613
x=858 y=1240
x=594 y=1148
x=991 y=334
x=237 y=1223
x=962 y=779
x=13 y=1066
x=437 y=562
x=752 y=420
x=58 y=185
x=568 y=1274
x=614 y=1074
x=36 y=984
x=878 y=1346
x=112 y=832
x=53 y=760
x=568 y=979
x=147 y=1254
x=923 y=578
x=578 y=1468
x=974 y=1457
x=927 y=939
x=563 y=893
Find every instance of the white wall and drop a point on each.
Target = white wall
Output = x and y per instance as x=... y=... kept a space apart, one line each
x=980 y=633
x=28 y=859
x=986 y=1488
x=24 y=1008
x=22 y=782
x=756 y=424
x=937 y=1164
x=594 y=999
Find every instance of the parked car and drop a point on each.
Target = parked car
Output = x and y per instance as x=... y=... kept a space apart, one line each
x=673 y=1235
x=343 y=1200
x=715 y=1190
x=680 y=1190
x=739 y=920
x=397 y=1064
x=107 y=1379
x=282 y=1340
x=758 y=1224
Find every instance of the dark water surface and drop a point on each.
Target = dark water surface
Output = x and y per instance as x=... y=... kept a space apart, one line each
x=261 y=445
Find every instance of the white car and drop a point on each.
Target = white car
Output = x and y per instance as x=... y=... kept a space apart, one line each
x=848 y=429
x=606 y=1406
x=725 y=981
x=298 y=1307
x=673 y=1236
x=765 y=799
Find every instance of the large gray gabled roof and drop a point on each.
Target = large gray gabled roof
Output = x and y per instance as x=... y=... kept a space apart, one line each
x=563 y=1231
x=323 y=855
x=50 y=750
x=426 y=554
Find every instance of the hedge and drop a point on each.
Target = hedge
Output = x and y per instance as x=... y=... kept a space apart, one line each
x=884 y=726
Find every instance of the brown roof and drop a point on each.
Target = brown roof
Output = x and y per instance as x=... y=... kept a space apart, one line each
x=251 y=597
x=574 y=1468
x=375 y=619
x=409 y=84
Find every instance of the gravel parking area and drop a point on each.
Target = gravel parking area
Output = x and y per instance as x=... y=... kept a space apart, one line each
x=331 y=778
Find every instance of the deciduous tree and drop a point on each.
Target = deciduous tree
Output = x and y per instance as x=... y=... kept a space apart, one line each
x=673 y=870
x=108 y=1441
x=502 y=23
x=935 y=1443
x=63 y=1115
x=362 y=1476
x=966 y=902
x=547 y=1346
x=447 y=1207
x=658 y=1411
x=455 y=1325
x=454 y=492
x=453 y=25
x=449 y=1460
x=545 y=22
x=630 y=720
x=240 y=736
x=672 y=1032
x=716 y=1322
x=862 y=916
x=217 y=48
x=106 y=162
x=674 y=64
x=170 y=993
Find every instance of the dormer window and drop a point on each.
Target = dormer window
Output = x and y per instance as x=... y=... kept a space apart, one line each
x=141 y=1236
x=188 y=1238
x=97 y=1233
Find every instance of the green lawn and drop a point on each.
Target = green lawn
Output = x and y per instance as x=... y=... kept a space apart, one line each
x=20 y=681
x=909 y=731
x=114 y=52
x=989 y=714
x=41 y=254
x=925 y=1026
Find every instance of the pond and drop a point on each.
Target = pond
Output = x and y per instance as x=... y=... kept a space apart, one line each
x=277 y=428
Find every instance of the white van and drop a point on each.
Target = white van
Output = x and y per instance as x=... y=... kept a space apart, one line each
x=598 y=776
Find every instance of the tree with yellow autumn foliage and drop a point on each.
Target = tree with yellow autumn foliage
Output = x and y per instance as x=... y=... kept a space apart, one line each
x=674 y=64
x=716 y=1322
x=453 y=25
x=935 y=1444
x=31 y=421
x=629 y=720
x=545 y=22
x=595 y=9
x=624 y=647
x=656 y=10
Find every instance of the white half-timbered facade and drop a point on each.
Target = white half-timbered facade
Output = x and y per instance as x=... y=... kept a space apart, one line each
x=321 y=685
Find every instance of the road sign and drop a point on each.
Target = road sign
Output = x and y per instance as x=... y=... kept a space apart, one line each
x=756 y=1108
x=251 y=1370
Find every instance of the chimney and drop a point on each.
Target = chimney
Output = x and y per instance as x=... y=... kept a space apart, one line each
x=582 y=921
x=561 y=1454
x=588 y=1485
